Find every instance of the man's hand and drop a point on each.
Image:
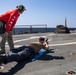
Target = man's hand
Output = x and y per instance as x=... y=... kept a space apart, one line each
x=10 y=32
x=46 y=44
x=6 y=33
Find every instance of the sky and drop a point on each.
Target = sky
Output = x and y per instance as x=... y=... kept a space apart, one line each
x=50 y=12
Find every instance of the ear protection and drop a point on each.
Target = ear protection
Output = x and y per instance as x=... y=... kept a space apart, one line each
x=20 y=8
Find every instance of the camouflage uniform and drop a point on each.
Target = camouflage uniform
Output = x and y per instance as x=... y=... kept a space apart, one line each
x=4 y=38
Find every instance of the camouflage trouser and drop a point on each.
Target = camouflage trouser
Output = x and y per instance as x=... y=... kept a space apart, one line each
x=9 y=40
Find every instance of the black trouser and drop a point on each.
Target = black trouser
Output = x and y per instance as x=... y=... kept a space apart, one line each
x=20 y=54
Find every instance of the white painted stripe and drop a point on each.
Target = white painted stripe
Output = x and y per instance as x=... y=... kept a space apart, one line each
x=15 y=46
x=62 y=44
x=27 y=39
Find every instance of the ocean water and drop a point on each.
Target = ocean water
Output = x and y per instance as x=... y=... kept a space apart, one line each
x=35 y=30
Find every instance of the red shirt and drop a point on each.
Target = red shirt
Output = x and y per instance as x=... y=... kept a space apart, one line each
x=10 y=17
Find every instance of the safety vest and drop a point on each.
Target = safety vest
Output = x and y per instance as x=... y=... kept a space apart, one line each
x=10 y=18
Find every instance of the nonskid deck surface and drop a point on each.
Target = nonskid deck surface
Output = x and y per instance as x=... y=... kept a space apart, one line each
x=58 y=61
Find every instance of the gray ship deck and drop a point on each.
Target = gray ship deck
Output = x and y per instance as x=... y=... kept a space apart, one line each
x=57 y=62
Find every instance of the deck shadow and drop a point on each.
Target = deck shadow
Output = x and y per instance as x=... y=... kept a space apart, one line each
x=15 y=69
x=49 y=57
